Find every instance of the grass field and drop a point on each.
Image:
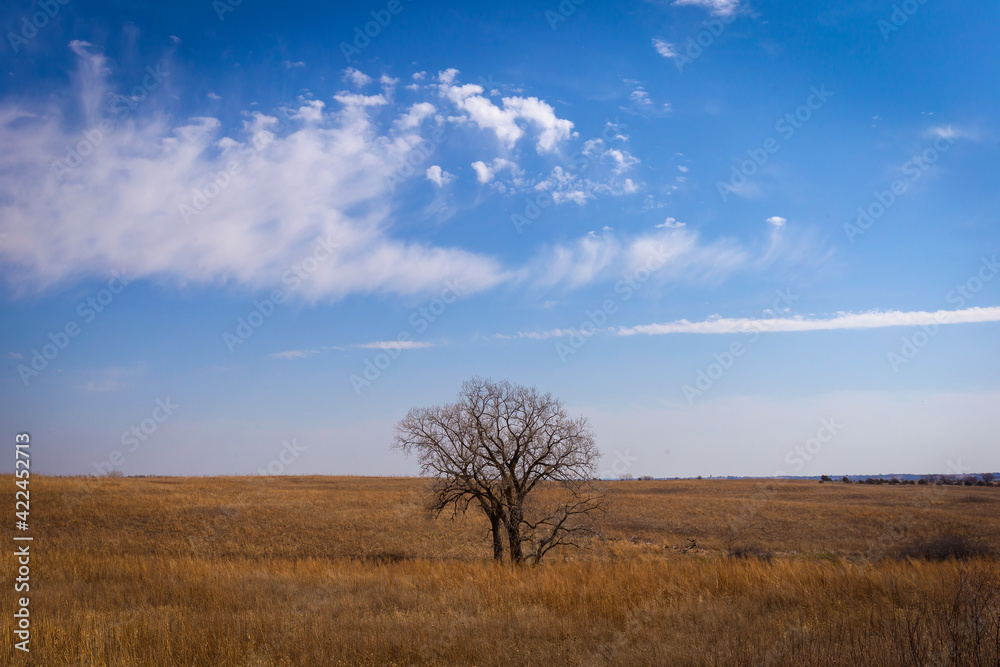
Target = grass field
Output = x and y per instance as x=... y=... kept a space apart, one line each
x=329 y=571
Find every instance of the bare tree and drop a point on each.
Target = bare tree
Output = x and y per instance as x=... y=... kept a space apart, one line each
x=515 y=454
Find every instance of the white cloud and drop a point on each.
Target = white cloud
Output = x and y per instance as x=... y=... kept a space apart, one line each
x=483 y=172
x=294 y=354
x=447 y=76
x=377 y=345
x=945 y=132
x=875 y=319
x=289 y=64
x=681 y=256
x=640 y=97
x=486 y=172
x=394 y=345
x=504 y=121
x=162 y=201
x=952 y=132
x=310 y=112
x=357 y=77
x=112 y=379
x=665 y=49
x=672 y=252
x=593 y=146
x=577 y=264
x=617 y=130
x=619 y=158
x=415 y=115
x=748 y=189
x=715 y=325
x=387 y=80
x=717 y=7
x=438 y=176
x=104 y=385
x=213 y=96
x=776 y=221
x=355 y=100
x=622 y=159
x=565 y=186
x=538 y=335
x=553 y=129
x=670 y=223
x=318 y=175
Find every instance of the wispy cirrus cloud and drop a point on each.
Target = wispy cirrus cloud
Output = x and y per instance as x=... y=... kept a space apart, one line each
x=717 y=7
x=953 y=132
x=112 y=379
x=104 y=385
x=289 y=355
x=537 y=335
x=874 y=319
x=394 y=345
x=664 y=48
x=293 y=354
x=679 y=253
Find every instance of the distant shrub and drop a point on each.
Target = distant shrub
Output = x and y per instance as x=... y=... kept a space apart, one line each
x=749 y=551
x=385 y=557
x=945 y=547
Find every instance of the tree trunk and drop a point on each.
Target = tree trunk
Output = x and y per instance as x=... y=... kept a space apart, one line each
x=497 y=538
x=514 y=536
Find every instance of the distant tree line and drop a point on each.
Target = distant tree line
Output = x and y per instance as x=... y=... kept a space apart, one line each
x=985 y=479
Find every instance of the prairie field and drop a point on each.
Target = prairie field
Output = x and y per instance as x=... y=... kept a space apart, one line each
x=345 y=570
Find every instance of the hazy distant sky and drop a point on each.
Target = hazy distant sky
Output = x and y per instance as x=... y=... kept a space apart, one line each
x=742 y=237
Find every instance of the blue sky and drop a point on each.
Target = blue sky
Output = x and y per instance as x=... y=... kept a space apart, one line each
x=743 y=238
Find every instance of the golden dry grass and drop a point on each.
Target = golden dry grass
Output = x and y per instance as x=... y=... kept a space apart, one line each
x=328 y=571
